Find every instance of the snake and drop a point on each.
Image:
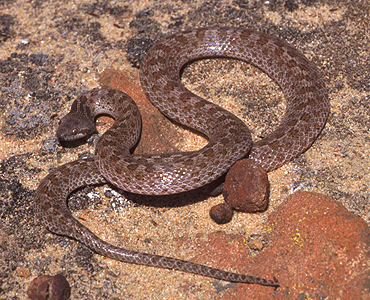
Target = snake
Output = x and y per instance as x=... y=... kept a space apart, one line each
x=229 y=139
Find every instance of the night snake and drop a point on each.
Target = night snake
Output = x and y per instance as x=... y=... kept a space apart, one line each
x=307 y=108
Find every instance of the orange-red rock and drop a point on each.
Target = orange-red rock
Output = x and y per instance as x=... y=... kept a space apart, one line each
x=316 y=249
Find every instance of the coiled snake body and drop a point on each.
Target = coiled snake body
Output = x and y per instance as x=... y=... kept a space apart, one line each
x=229 y=138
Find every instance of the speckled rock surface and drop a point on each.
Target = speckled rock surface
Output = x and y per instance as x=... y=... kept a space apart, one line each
x=53 y=50
x=321 y=249
x=315 y=247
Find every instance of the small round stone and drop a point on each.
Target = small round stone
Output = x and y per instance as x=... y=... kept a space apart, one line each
x=246 y=187
x=49 y=287
x=221 y=213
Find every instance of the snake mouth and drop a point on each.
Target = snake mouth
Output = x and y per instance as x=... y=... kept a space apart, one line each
x=72 y=138
x=69 y=135
x=73 y=129
x=64 y=138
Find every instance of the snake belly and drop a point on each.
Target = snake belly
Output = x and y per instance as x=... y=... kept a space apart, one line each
x=307 y=108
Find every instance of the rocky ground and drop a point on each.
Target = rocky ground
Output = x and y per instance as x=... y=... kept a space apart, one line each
x=314 y=237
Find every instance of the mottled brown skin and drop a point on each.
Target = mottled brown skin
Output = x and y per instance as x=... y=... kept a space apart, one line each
x=169 y=173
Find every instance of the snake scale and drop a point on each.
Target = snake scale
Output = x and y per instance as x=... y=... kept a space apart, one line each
x=307 y=108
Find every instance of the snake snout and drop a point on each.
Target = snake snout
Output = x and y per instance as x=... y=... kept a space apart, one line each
x=73 y=128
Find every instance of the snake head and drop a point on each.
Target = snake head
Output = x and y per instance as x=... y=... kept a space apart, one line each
x=72 y=128
x=77 y=124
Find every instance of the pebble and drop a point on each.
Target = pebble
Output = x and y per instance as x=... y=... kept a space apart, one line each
x=255 y=245
x=221 y=213
x=48 y=287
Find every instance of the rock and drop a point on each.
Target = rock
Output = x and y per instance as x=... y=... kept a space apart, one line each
x=221 y=213
x=49 y=288
x=321 y=249
x=256 y=245
x=246 y=187
x=315 y=248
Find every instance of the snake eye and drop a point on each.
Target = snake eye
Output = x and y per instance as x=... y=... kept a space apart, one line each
x=75 y=131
